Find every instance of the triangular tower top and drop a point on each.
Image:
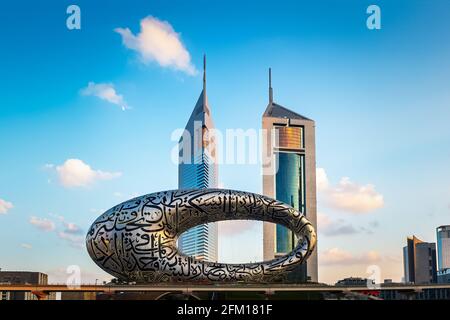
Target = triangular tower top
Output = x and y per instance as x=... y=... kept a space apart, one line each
x=202 y=102
x=275 y=110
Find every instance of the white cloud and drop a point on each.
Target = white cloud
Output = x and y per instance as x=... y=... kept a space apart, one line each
x=158 y=41
x=336 y=264
x=56 y=216
x=76 y=241
x=323 y=220
x=5 y=206
x=105 y=91
x=348 y=195
x=72 y=228
x=42 y=223
x=26 y=246
x=72 y=233
x=76 y=173
x=329 y=227
x=336 y=256
x=339 y=227
x=69 y=227
x=321 y=179
x=233 y=227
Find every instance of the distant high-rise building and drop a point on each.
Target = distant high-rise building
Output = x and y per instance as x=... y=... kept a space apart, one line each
x=419 y=261
x=443 y=247
x=289 y=175
x=198 y=169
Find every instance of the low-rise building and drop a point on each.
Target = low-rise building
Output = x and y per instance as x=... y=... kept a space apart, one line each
x=22 y=277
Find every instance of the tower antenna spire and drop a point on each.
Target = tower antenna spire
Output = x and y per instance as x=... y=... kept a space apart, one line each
x=204 y=71
x=270 y=86
x=204 y=78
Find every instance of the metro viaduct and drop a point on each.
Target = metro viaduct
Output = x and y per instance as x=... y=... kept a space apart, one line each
x=42 y=291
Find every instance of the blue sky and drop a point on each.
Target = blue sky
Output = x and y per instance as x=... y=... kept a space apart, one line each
x=380 y=99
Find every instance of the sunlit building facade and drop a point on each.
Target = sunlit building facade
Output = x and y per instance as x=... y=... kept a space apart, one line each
x=443 y=247
x=289 y=175
x=419 y=261
x=198 y=169
x=24 y=278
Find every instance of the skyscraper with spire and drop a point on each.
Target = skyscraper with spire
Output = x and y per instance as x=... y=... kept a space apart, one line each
x=289 y=175
x=198 y=169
